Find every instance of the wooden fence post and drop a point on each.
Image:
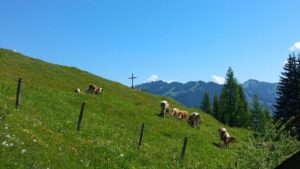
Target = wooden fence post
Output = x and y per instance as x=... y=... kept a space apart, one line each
x=80 y=116
x=183 y=148
x=237 y=160
x=18 y=93
x=141 y=135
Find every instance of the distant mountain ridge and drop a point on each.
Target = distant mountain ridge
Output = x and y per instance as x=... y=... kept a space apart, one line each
x=191 y=93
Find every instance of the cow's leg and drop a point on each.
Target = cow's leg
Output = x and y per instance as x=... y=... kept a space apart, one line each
x=226 y=142
x=162 y=113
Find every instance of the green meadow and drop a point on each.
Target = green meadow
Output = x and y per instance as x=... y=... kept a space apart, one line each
x=42 y=132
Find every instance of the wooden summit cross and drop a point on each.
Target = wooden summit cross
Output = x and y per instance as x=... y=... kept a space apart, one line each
x=132 y=77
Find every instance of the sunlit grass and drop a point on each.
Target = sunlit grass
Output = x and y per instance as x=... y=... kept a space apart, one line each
x=42 y=133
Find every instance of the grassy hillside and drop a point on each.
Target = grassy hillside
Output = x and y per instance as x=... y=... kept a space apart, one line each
x=42 y=133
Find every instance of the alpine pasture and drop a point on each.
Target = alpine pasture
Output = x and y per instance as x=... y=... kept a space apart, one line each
x=42 y=132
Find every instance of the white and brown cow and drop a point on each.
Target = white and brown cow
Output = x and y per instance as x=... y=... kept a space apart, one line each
x=175 y=112
x=164 y=108
x=194 y=119
x=182 y=115
x=225 y=137
x=77 y=90
x=94 y=89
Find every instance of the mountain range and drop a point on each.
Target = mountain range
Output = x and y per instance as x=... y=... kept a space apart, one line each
x=191 y=93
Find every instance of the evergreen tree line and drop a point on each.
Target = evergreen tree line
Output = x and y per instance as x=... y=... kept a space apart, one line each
x=231 y=107
x=288 y=90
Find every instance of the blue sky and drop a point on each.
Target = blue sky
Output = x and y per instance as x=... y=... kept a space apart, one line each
x=174 y=40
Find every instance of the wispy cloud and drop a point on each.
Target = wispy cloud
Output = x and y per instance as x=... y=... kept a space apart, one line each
x=152 y=78
x=295 y=47
x=218 y=79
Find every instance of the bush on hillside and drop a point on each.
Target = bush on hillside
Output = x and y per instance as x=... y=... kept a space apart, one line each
x=267 y=149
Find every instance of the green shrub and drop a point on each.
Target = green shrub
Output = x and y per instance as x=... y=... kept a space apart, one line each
x=267 y=149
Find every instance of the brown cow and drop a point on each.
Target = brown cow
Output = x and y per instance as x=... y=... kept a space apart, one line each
x=94 y=89
x=221 y=133
x=183 y=114
x=175 y=112
x=225 y=137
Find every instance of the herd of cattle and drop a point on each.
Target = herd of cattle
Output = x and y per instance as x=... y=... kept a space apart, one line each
x=92 y=89
x=194 y=120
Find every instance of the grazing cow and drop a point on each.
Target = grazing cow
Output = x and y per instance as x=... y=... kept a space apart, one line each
x=231 y=140
x=183 y=114
x=225 y=137
x=164 y=108
x=221 y=133
x=175 y=112
x=100 y=90
x=194 y=119
x=94 y=89
x=77 y=90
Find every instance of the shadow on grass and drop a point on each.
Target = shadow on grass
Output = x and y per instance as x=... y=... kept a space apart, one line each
x=159 y=115
x=216 y=145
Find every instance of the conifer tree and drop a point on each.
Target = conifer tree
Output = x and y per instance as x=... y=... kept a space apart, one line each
x=243 y=114
x=206 y=104
x=298 y=84
x=233 y=103
x=229 y=98
x=216 y=108
x=256 y=114
x=288 y=90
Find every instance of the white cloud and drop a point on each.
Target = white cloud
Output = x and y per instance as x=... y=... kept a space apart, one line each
x=295 y=47
x=152 y=78
x=218 y=79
